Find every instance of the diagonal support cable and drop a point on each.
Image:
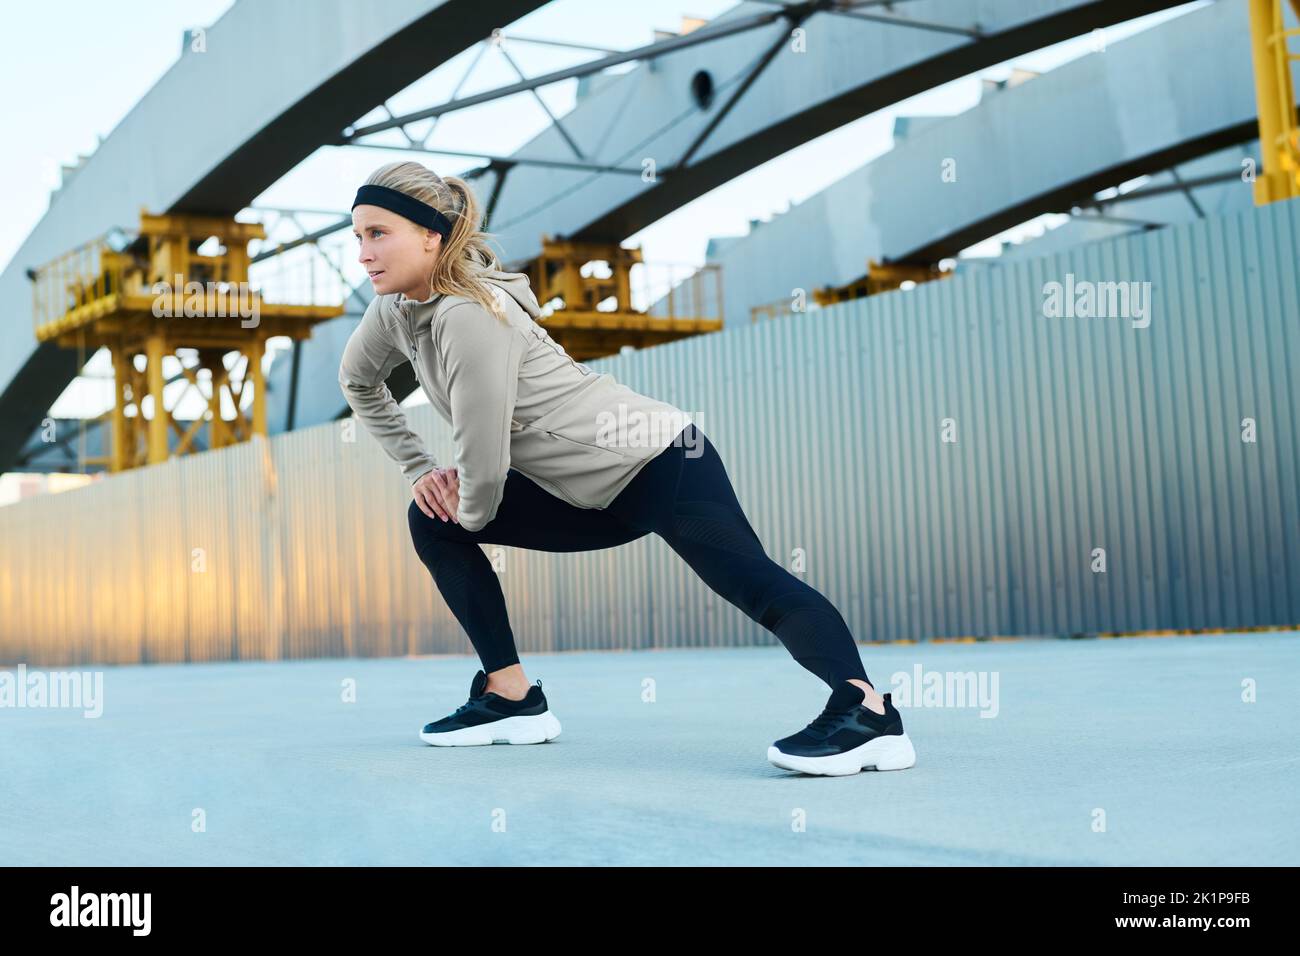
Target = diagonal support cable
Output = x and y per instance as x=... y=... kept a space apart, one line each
x=795 y=17
x=541 y=102
x=1186 y=191
x=513 y=160
x=659 y=48
x=482 y=49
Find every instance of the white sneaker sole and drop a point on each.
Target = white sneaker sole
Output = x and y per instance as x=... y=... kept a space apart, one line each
x=894 y=752
x=534 y=729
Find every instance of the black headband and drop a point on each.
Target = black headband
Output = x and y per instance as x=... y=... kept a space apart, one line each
x=420 y=213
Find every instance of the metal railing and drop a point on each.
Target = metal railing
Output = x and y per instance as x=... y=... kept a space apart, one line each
x=77 y=283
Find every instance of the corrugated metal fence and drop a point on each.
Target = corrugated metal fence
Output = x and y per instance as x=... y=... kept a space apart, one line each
x=938 y=462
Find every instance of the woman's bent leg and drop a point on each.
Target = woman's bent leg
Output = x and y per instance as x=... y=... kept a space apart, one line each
x=470 y=587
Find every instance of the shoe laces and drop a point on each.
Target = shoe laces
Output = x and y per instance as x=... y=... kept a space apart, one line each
x=466 y=706
x=827 y=719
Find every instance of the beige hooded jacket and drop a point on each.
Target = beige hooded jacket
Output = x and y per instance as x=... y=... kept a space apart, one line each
x=512 y=395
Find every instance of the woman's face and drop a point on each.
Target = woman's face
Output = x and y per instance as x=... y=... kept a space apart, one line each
x=397 y=254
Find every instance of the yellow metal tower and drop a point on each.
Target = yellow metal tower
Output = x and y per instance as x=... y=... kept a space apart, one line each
x=880 y=277
x=587 y=332
x=146 y=297
x=1279 y=137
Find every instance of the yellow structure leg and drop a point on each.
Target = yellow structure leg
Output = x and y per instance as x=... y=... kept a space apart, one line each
x=121 y=379
x=253 y=374
x=154 y=351
x=219 y=434
x=1279 y=138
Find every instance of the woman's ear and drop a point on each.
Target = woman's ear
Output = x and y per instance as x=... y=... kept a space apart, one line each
x=432 y=241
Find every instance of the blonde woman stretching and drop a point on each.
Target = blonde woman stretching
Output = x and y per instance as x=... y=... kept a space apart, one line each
x=536 y=468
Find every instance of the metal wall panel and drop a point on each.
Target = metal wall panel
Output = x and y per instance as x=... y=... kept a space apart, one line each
x=1071 y=434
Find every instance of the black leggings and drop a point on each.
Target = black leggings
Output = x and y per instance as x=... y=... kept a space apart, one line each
x=683 y=494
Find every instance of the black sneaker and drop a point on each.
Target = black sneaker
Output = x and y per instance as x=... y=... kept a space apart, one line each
x=488 y=718
x=847 y=737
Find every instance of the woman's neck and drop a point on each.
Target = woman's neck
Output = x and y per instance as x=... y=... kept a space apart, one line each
x=418 y=296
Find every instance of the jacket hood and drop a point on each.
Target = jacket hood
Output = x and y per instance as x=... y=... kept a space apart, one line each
x=514 y=284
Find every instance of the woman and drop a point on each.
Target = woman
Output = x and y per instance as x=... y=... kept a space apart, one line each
x=546 y=459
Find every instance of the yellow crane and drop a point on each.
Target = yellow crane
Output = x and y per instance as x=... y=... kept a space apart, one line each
x=146 y=296
x=587 y=332
x=1279 y=137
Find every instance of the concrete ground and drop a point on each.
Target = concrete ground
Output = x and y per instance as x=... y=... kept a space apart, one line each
x=1108 y=752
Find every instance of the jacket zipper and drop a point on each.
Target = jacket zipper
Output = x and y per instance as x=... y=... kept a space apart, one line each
x=558 y=437
x=410 y=335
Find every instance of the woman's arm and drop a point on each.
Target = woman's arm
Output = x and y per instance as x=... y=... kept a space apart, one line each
x=481 y=357
x=367 y=359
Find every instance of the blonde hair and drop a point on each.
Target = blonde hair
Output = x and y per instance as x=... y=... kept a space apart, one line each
x=465 y=254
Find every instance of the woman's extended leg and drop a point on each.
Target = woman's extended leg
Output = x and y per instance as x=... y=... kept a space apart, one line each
x=686 y=497
x=528 y=517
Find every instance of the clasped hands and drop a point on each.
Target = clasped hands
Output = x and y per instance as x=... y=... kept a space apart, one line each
x=438 y=494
